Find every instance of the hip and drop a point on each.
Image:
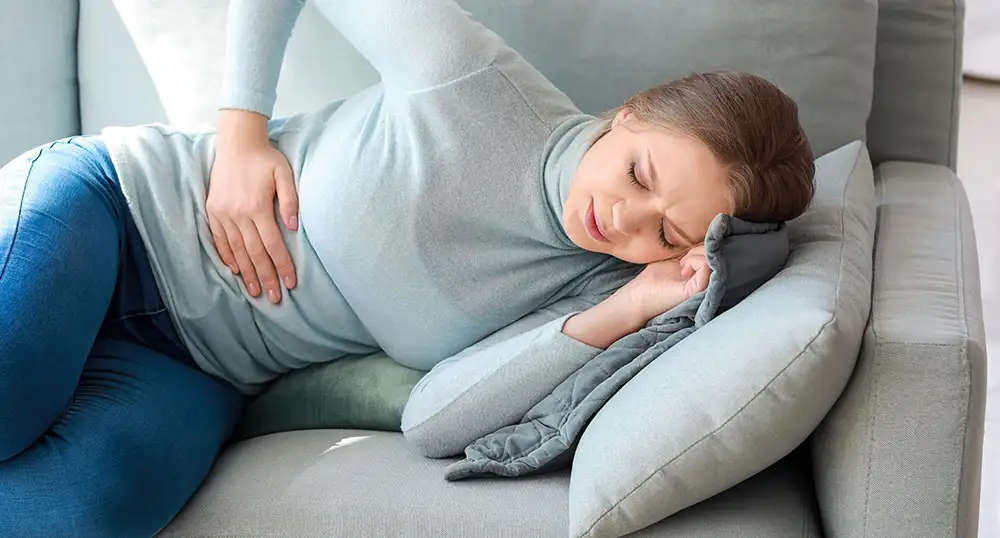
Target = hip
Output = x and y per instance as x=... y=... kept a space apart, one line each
x=78 y=179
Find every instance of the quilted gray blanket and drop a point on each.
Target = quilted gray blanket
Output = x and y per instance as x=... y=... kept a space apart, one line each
x=742 y=256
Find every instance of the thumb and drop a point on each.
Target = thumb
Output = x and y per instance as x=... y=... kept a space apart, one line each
x=288 y=198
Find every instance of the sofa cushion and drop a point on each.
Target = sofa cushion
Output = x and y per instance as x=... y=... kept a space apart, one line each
x=157 y=61
x=362 y=483
x=38 y=92
x=747 y=388
x=362 y=392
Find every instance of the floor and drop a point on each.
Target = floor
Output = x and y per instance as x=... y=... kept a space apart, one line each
x=978 y=147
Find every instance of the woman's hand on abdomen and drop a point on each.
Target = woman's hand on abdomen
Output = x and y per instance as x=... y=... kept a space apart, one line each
x=247 y=175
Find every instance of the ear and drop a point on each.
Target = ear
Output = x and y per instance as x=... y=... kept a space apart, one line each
x=621 y=116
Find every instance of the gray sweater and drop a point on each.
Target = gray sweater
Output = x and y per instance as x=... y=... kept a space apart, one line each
x=430 y=203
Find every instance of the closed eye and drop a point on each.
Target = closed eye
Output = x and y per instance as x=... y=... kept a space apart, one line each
x=633 y=178
x=635 y=181
x=663 y=239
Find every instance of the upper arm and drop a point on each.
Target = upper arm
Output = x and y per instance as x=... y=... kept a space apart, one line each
x=414 y=44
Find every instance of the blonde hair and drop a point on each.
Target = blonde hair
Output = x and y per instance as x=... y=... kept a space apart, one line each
x=751 y=126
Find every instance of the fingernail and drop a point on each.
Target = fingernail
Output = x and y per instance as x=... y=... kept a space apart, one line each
x=272 y=295
x=293 y=222
x=234 y=269
x=288 y=282
x=252 y=288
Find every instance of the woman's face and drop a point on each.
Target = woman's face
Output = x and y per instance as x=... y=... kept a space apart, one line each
x=644 y=194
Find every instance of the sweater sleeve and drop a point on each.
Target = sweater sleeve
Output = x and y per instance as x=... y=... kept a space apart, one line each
x=495 y=382
x=413 y=44
x=257 y=35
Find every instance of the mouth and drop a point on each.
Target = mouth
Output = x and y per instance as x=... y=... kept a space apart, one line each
x=593 y=224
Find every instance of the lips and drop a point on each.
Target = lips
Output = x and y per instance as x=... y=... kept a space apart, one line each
x=593 y=225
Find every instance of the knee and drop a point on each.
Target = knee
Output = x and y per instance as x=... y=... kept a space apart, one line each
x=27 y=411
x=12 y=441
x=16 y=433
x=50 y=490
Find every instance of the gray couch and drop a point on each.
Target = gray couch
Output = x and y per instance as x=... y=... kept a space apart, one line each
x=897 y=456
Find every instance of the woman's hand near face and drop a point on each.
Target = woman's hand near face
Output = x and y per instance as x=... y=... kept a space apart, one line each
x=665 y=284
x=658 y=288
x=247 y=175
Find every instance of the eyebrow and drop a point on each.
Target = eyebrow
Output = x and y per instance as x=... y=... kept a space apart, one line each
x=654 y=180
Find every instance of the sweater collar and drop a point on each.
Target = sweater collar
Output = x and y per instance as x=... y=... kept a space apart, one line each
x=567 y=145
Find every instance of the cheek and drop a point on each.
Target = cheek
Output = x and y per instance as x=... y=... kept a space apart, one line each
x=600 y=181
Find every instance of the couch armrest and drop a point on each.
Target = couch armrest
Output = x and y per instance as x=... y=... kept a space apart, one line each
x=900 y=452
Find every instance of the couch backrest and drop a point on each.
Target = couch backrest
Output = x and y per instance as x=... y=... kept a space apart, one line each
x=140 y=61
x=599 y=52
x=38 y=90
x=918 y=76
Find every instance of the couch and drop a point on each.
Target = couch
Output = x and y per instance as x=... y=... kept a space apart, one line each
x=898 y=455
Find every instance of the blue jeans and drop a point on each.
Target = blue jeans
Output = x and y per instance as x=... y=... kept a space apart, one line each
x=106 y=425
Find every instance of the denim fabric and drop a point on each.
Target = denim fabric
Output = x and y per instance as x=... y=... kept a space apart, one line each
x=106 y=426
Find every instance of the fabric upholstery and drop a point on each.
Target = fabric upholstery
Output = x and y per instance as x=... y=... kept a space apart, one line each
x=174 y=55
x=363 y=392
x=609 y=49
x=917 y=81
x=746 y=389
x=116 y=85
x=38 y=91
x=899 y=455
x=323 y=483
x=144 y=61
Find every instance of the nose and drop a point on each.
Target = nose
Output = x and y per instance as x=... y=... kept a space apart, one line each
x=631 y=218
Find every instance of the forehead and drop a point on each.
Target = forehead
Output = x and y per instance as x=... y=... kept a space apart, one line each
x=690 y=181
x=685 y=166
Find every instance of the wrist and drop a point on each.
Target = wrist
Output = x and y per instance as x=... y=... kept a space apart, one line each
x=631 y=310
x=646 y=302
x=241 y=129
x=605 y=323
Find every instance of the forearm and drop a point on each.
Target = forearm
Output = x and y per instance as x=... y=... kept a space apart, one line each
x=607 y=322
x=493 y=383
x=256 y=38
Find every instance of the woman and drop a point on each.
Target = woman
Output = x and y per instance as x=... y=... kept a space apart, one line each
x=147 y=285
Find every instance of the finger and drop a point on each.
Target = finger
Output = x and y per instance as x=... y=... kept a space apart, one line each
x=697 y=262
x=261 y=260
x=686 y=269
x=276 y=249
x=242 y=258
x=288 y=198
x=221 y=241
x=701 y=277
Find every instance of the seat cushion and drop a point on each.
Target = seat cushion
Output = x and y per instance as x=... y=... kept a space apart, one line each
x=364 y=483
